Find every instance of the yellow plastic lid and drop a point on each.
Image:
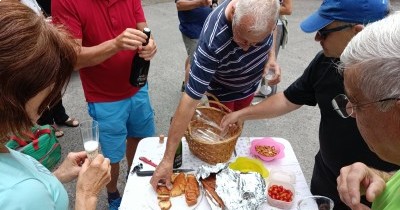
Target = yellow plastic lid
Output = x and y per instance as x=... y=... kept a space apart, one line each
x=245 y=165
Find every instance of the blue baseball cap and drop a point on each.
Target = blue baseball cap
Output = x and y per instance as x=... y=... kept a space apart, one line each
x=350 y=11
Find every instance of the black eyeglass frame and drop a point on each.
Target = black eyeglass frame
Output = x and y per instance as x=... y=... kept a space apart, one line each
x=325 y=32
x=345 y=108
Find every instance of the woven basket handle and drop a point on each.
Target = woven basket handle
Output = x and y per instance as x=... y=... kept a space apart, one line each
x=221 y=106
x=215 y=101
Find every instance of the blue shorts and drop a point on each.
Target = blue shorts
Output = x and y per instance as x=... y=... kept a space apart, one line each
x=131 y=117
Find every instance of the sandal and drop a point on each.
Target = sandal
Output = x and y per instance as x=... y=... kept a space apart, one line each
x=71 y=122
x=59 y=133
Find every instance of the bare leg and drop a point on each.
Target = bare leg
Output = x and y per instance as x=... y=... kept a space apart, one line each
x=112 y=186
x=187 y=69
x=131 y=145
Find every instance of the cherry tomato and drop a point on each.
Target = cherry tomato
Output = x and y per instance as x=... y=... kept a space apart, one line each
x=278 y=192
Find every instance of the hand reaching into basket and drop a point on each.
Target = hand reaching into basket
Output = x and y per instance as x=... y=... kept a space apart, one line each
x=231 y=120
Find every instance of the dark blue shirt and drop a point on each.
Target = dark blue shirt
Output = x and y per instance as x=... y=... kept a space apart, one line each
x=191 y=21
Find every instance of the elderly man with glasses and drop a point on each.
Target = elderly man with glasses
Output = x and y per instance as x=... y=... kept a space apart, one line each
x=341 y=144
x=371 y=69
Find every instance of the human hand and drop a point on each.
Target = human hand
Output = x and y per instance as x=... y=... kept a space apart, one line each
x=357 y=178
x=147 y=52
x=162 y=174
x=276 y=78
x=230 y=120
x=130 y=39
x=70 y=167
x=93 y=176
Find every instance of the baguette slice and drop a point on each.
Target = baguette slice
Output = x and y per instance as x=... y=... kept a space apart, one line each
x=192 y=190
x=165 y=205
x=163 y=197
x=163 y=190
x=179 y=185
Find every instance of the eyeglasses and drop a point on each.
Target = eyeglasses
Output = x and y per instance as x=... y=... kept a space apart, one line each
x=323 y=33
x=344 y=107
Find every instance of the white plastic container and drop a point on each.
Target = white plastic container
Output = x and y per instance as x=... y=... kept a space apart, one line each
x=285 y=179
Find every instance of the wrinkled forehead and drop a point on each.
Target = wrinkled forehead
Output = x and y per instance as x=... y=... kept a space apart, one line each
x=351 y=83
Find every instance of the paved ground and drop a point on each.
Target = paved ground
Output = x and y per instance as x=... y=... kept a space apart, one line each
x=166 y=75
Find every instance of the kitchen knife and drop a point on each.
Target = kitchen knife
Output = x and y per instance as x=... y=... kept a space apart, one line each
x=150 y=173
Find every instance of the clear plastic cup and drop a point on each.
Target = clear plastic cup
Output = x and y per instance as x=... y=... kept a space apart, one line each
x=315 y=202
x=90 y=137
x=270 y=74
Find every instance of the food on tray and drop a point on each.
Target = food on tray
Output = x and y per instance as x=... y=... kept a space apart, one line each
x=163 y=190
x=182 y=184
x=278 y=192
x=163 y=195
x=179 y=184
x=192 y=191
x=165 y=205
x=209 y=185
x=268 y=151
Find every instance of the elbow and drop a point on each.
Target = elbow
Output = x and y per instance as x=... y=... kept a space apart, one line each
x=178 y=5
x=285 y=10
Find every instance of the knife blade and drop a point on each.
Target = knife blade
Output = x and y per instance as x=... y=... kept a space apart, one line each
x=150 y=173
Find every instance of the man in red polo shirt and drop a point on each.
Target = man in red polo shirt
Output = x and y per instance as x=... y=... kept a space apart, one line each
x=110 y=34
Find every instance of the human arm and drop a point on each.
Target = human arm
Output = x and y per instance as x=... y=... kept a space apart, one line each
x=184 y=5
x=180 y=121
x=92 y=178
x=358 y=179
x=130 y=39
x=286 y=7
x=271 y=107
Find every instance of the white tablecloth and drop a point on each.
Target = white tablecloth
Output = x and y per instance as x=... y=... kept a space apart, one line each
x=134 y=196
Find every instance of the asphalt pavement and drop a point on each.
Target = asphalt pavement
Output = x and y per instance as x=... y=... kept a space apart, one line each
x=167 y=72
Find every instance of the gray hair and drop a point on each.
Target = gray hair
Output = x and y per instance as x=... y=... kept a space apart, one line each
x=375 y=53
x=264 y=13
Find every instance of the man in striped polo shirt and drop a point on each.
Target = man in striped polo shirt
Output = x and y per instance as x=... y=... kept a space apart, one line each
x=234 y=48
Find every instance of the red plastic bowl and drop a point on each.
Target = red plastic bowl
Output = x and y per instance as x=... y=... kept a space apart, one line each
x=267 y=142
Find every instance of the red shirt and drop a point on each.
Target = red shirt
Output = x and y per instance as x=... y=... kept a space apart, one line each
x=97 y=21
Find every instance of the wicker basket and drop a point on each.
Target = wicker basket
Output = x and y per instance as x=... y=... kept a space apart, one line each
x=212 y=152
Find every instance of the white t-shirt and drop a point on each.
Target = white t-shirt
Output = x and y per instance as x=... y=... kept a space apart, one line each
x=25 y=184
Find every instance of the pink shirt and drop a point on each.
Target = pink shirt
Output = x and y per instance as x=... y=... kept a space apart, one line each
x=97 y=21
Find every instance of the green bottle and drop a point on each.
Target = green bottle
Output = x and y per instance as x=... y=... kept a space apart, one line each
x=178 y=156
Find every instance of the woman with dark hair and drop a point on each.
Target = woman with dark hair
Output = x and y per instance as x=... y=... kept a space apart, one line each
x=36 y=61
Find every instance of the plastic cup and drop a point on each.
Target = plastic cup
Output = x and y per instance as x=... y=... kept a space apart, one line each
x=315 y=202
x=90 y=137
x=270 y=74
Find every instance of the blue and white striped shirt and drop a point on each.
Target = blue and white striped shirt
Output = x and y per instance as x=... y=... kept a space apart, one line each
x=219 y=66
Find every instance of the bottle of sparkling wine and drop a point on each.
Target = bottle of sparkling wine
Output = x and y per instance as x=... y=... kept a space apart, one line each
x=178 y=156
x=140 y=67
